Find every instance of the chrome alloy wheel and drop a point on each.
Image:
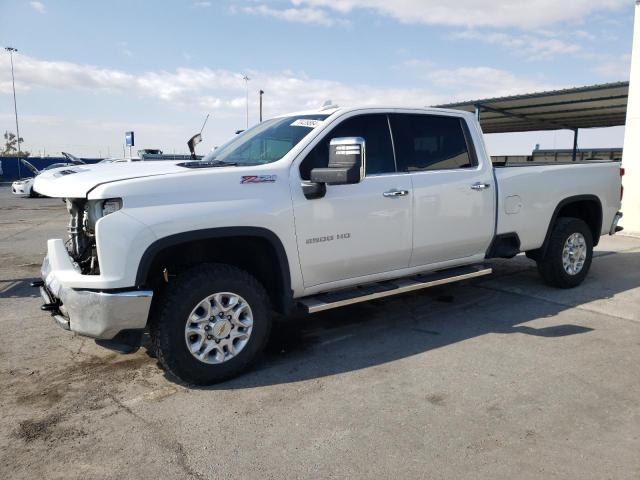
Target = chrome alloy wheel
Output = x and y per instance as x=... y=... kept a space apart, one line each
x=574 y=253
x=219 y=327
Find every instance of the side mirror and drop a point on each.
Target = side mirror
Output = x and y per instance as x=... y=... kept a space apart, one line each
x=346 y=162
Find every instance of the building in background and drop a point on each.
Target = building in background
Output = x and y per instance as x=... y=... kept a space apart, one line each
x=631 y=152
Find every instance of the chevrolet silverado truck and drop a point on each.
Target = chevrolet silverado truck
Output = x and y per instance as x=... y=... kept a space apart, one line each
x=308 y=211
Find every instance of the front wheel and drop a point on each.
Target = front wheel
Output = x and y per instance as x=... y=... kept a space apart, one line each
x=569 y=254
x=214 y=321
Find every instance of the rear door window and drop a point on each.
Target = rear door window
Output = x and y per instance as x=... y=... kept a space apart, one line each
x=430 y=142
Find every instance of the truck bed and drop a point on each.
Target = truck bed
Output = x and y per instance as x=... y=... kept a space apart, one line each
x=529 y=193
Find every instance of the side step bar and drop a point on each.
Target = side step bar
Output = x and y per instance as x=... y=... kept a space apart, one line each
x=341 y=298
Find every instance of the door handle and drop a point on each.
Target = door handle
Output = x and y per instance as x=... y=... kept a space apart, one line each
x=480 y=186
x=396 y=193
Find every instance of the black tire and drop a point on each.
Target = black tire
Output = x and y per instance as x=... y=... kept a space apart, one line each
x=181 y=296
x=551 y=266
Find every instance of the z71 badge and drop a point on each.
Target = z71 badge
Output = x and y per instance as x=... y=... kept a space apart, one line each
x=258 y=178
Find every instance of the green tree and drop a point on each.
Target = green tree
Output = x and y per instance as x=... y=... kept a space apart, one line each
x=11 y=146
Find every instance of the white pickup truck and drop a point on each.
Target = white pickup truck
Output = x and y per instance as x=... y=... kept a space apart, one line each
x=313 y=210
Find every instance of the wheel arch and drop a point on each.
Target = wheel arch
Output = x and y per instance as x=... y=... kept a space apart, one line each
x=254 y=249
x=585 y=207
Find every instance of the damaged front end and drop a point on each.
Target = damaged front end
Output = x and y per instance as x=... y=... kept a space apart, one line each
x=81 y=245
x=71 y=285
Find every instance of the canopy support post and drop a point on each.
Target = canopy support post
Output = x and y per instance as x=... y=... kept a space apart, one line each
x=575 y=144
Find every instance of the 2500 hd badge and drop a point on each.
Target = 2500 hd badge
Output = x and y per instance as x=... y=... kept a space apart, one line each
x=328 y=238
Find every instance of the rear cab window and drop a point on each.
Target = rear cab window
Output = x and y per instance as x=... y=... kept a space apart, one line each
x=431 y=142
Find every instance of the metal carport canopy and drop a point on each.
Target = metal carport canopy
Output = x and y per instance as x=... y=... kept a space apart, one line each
x=602 y=105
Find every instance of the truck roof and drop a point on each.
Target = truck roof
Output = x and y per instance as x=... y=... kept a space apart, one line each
x=335 y=109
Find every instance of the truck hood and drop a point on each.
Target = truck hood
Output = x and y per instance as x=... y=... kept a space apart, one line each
x=77 y=180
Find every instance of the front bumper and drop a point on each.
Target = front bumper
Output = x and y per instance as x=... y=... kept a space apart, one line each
x=90 y=313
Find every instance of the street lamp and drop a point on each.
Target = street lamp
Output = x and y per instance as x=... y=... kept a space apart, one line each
x=246 y=83
x=11 y=51
x=261 y=93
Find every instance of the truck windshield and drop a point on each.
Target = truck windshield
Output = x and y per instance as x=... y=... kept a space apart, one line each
x=266 y=142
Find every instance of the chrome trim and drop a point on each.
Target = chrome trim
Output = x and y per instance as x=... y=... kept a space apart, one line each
x=219 y=327
x=480 y=186
x=314 y=305
x=574 y=253
x=353 y=141
x=95 y=314
x=614 y=224
x=62 y=322
x=395 y=193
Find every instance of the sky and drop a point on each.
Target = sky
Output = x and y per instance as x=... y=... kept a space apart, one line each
x=87 y=71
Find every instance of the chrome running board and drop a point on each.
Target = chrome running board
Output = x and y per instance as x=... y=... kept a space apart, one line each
x=341 y=298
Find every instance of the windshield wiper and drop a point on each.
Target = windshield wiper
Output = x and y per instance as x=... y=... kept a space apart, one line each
x=207 y=164
x=222 y=163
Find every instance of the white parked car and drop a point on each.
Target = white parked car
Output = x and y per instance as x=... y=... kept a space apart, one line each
x=313 y=210
x=24 y=186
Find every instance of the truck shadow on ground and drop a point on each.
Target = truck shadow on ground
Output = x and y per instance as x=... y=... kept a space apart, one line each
x=382 y=331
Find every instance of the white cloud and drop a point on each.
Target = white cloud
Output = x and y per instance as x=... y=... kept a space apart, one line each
x=38 y=7
x=614 y=69
x=529 y=45
x=203 y=4
x=223 y=89
x=298 y=15
x=467 y=83
x=217 y=88
x=523 y=14
x=221 y=92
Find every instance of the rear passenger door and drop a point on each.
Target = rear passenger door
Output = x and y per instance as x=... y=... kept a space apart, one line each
x=454 y=196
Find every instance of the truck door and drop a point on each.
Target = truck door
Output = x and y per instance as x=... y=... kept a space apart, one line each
x=454 y=194
x=359 y=229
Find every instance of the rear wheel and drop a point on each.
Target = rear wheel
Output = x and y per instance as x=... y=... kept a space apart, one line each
x=214 y=321
x=569 y=254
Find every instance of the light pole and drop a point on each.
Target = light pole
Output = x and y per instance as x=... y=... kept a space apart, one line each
x=246 y=84
x=11 y=51
x=261 y=93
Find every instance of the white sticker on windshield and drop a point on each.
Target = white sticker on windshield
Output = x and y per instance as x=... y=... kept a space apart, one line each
x=306 y=122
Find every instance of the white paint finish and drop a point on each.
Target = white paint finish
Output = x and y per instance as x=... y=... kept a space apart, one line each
x=393 y=274
x=453 y=224
x=631 y=152
x=450 y=219
x=211 y=198
x=543 y=187
x=76 y=185
x=512 y=205
x=22 y=187
x=378 y=228
x=122 y=241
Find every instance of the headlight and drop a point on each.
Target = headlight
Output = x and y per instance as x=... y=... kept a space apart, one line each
x=111 y=205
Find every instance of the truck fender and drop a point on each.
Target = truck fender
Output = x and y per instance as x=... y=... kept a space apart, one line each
x=216 y=233
x=540 y=252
